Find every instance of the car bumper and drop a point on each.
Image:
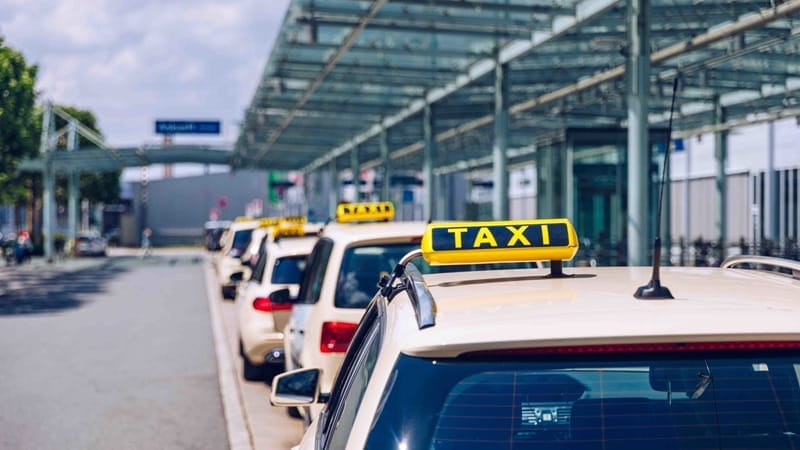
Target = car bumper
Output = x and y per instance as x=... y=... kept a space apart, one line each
x=267 y=349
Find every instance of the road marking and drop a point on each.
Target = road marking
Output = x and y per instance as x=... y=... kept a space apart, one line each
x=239 y=434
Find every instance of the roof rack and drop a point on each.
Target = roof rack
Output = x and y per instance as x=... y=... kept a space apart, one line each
x=780 y=263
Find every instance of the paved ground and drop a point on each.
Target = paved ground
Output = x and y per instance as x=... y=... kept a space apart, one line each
x=127 y=352
x=108 y=353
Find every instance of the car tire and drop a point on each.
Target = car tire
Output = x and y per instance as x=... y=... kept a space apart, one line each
x=293 y=412
x=251 y=372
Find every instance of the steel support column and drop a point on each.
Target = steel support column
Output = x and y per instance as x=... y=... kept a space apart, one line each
x=638 y=85
x=666 y=209
x=721 y=156
x=499 y=158
x=48 y=181
x=427 y=162
x=333 y=192
x=356 y=170
x=770 y=207
x=73 y=189
x=687 y=195
x=386 y=163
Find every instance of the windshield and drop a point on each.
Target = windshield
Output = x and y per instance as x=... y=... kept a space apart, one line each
x=289 y=270
x=241 y=239
x=362 y=268
x=665 y=402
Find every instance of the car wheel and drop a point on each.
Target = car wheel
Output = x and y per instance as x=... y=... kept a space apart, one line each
x=251 y=372
x=293 y=412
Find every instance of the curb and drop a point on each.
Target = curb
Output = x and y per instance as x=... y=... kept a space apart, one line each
x=239 y=434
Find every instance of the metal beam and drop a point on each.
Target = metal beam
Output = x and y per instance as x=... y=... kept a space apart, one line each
x=721 y=156
x=638 y=93
x=585 y=11
x=500 y=147
x=427 y=162
x=346 y=43
x=712 y=36
x=387 y=166
x=72 y=186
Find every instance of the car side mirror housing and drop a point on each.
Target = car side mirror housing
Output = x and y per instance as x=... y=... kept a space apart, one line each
x=296 y=388
x=281 y=296
x=237 y=277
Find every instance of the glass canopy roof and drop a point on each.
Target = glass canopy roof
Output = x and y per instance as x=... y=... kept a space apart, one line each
x=343 y=72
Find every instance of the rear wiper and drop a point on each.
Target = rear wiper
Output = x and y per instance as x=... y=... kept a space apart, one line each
x=702 y=385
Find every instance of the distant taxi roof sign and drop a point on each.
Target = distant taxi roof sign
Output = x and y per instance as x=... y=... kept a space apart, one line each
x=289 y=226
x=364 y=212
x=499 y=241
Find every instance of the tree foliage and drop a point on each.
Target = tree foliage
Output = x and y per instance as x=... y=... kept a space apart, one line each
x=18 y=121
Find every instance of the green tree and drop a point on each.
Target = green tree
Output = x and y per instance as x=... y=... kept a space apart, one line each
x=19 y=123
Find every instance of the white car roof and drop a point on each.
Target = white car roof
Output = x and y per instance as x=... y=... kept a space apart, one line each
x=524 y=308
x=293 y=245
x=346 y=233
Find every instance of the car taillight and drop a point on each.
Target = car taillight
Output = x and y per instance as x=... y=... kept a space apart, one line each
x=266 y=305
x=336 y=336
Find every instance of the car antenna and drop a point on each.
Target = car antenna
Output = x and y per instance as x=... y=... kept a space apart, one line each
x=654 y=290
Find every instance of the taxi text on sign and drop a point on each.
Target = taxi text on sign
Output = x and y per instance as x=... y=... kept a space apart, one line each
x=499 y=241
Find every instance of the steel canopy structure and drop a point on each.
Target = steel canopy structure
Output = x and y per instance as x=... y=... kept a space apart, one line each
x=89 y=160
x=351 y=75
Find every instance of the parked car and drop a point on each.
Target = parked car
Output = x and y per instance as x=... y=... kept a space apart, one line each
x=89 y=245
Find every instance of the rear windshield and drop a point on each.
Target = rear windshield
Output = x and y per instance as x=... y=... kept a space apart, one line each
x=241 y=239
x=289 y=270
x=362 y=268
x=714 y=401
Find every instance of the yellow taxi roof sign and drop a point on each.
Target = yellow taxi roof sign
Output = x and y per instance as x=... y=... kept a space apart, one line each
x=289 y=226
x=499 y=241
x=364 y=212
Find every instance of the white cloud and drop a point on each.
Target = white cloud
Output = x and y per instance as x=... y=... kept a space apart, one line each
x=131 y=62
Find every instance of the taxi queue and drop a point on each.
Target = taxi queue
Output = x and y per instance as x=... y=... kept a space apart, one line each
x=530 y=357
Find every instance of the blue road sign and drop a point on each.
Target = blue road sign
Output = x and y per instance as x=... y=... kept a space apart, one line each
x=187 y=126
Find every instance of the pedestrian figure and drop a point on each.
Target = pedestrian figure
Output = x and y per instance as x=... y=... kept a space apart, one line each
x=145 y=243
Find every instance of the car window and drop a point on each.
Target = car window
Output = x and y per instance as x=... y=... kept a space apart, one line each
x=240 y=241
x=362 y=268
x=357 y=380
x=261 y=262
x=289 y=270
x=315 y=275
x=350 y=382
x=665 y=402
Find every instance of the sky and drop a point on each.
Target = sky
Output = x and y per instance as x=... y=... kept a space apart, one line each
x=131 y=62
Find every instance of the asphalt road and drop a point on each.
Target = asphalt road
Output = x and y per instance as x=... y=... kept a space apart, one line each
x=109 y=353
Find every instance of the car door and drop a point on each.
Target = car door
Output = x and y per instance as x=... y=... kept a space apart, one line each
x=309 y=294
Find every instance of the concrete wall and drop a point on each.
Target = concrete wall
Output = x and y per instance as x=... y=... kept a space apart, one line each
x=177 y=208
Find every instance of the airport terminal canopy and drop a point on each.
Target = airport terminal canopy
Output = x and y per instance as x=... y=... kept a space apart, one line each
x=348 y=74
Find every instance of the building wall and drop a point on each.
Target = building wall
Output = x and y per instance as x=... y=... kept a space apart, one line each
x=177 y=208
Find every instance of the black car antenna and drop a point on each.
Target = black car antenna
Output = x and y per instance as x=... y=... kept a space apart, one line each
x=654 y=290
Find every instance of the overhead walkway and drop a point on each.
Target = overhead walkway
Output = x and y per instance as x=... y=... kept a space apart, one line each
x=70 y=160
x=440 y=86
x=87 y=160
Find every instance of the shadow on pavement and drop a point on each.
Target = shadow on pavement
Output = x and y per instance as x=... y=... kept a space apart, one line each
x=37 y=290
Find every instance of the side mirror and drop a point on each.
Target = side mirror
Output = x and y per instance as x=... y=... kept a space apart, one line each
x=280 y=296
x=296 y=388
x=237 y=277
x=246 y=262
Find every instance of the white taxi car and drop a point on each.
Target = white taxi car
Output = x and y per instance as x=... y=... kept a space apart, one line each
x=263 y=306
x=228 y=262
x=570 y=358
x=344 y=268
